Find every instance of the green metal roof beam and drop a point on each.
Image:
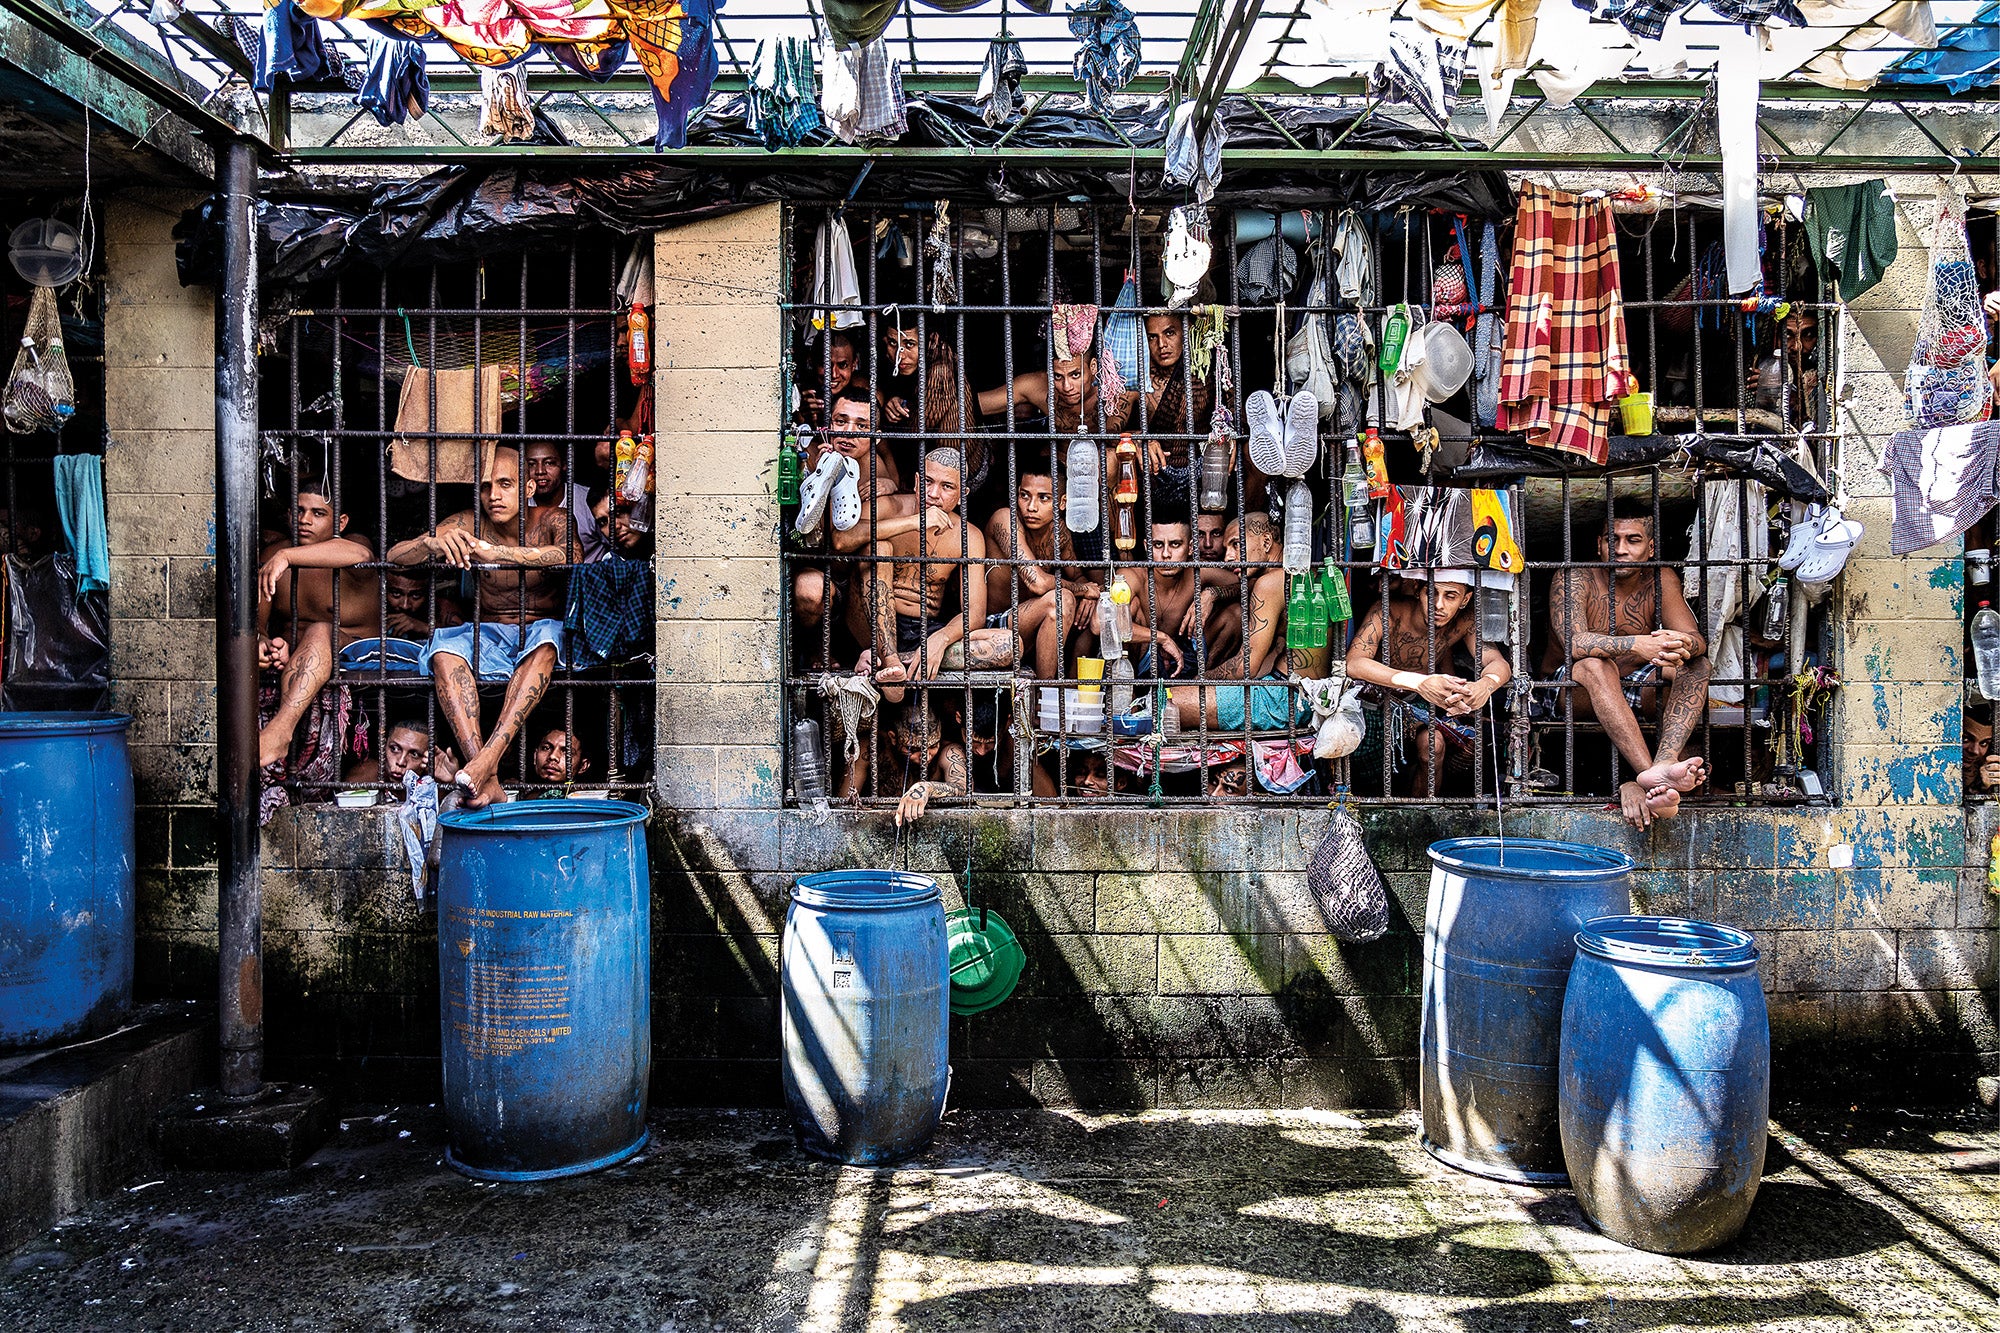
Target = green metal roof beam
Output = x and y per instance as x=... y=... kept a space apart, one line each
x=1200 y=39
x=1229 y=46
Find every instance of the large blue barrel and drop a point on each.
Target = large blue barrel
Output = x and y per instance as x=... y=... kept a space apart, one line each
x=867 y=997
x=1499 y=935
x=544 y=930
x=1666 y=1081
x=66 y=906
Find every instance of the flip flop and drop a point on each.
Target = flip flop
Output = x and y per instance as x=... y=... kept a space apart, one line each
x=1799 y=546
x=1832 y=544
x=814 y=490
x=1267 y=443
x=846 y=503
x=1301 y=433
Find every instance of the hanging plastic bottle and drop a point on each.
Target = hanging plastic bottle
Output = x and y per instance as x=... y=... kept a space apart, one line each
x=791 y=471
x=1395 y=332
x=1986 y=649
x=1215 y=477
x=639 y=474
x=1125 y=529
x=1362 y=535
x=808 y=763
x=1110 y=643
x=1339 y=610
x=1125 y=490
x=1298 y=528
x=1120 y=593
x=1298 y=613
x=1319 y=612
x=1080 y=487
x=1121 y=674
x=1377 y=463
x=621 y=459
x=1496 y=615
x=1777 y=609
x=639 y=347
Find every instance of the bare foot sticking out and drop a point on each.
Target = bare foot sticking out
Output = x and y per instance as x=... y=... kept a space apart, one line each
x=1641 y=807
x=1683 y=776
x=890 y=678
x=480 y=785
x=1664 y=802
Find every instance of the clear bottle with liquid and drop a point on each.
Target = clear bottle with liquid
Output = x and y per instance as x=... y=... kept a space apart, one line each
x=1778 y=610
x=1298 y=552
x=1121 y=676
x=1363 y=532
x=1215 y=477
x=1986 y=649
x=1120 y=593
x=808 y=763
x=1080 y=487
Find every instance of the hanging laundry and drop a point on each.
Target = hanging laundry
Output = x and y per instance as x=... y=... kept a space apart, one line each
x=1354 y=269
x=858 y=22
x=1851 y=231
x=1575 y=53
x=1966 y=57
x=1757 y=12
x=80 y=505
x=944 y=273
x=1108 y=56
x=1123 y=362
x=291 y=47
x=1942 y=481
x=1513 y=34
x=1489 y=334
x=834 y=280
x=999 y=95
x=504 y=106
x=1334 y=43
x=1184 y=259
x=1736 y=124
x=1267 y=272
x=1729 y=509
x=396 y=87
x=610 y=613
x=677 y=51
x=1423 y=71
x=861 y=91
x=1456 y=19
x=1912 y=20
x=1071 y=331
x=1194 y=159
x=782 y=105
x=1564 y=366
x=1644 y=18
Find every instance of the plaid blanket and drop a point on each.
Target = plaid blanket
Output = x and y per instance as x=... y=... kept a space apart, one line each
x=1564 y=367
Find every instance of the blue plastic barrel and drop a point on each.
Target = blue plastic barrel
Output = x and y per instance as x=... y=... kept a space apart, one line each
x=1666 y=1081
x=867 y=996
x=66 y=898
x=1499 y=935
x=544 y=929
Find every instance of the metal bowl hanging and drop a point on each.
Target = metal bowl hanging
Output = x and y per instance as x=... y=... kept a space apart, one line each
x=46 y=252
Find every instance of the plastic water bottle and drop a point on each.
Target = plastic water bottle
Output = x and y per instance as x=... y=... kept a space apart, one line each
x=1496 y=616
x=1120 y=593
x=1121 y=674
x=1215 y=477
x=1364 y=528
x=808 y=763
x=1298 y=528
x=1986 y=649
x=1110 y=643
x=1080 y=491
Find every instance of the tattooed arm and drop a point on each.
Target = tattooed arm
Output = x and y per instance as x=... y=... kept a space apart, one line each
x=1678 y=616
x=1263 y=614
x=956 y=780
x=1569 y=619
x=451 y=544
x=553 y=533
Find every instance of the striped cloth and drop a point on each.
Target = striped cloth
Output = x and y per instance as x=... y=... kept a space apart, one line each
x=1563 y=367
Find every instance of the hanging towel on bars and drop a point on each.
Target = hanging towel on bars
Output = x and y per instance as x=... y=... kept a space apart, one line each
x=80 y=501
x=1738 y=52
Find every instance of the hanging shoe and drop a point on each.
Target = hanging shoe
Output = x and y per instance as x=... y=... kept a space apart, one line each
x=1267 y=442
x=846 y=502
x=815 y=490
x=1799 y=546
x=1301 y=433
x=1833 y=542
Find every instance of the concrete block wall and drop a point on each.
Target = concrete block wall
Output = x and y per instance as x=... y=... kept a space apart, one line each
x=1174 y=958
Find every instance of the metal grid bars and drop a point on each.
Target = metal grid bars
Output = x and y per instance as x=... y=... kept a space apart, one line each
x=948 y=385
x=458 y=420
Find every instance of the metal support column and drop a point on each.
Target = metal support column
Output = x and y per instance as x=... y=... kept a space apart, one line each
x=240 y=917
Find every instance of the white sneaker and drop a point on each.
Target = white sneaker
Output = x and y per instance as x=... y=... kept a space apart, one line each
x=1301 y=433
x=814 y=490
x=1799 y=545
x=1267 y=443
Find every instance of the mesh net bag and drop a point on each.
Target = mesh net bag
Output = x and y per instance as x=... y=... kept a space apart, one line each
x=1946 y=384
x=39 y=394
x=1348 y=887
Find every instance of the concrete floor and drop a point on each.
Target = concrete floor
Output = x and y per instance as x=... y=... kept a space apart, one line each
x=1204 y=1220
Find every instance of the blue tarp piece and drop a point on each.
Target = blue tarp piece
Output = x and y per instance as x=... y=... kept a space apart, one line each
x=1966 y=57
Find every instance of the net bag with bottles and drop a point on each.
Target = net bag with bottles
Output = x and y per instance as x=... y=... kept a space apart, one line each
x=1946 y=384
x=39 y=394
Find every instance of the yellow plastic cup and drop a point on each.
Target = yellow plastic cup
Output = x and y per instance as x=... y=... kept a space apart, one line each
x=1637 y=410
x=1087 y=670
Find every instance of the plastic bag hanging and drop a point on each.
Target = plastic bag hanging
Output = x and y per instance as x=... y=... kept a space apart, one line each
x=999 y=95
x=504 y=107
x=40 y=394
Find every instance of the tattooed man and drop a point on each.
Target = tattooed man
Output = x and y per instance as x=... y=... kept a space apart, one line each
x=1420 y=642
x=517 y=553
x=1024 y=532
x=1260 y=653
x=323 y=553
x=1626 y=635
x=914 y=748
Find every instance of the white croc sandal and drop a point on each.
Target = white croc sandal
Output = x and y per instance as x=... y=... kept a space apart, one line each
x=1301 y=433
x=1267 y=443
x=814 y=490
x=1800 y=544
x=846 y=504
x=1833 y=542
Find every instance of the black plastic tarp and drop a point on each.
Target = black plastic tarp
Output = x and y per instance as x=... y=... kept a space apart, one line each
x=1499 y=462
x=458 y=212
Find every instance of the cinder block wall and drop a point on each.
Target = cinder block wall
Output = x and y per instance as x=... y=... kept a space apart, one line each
x=1174 y=958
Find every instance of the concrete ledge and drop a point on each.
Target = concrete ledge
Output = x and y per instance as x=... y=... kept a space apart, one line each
x=76 y=1122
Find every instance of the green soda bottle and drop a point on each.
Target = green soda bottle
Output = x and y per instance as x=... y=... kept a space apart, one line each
x=1338 y=609
x=791 y=470
x=1395 y=332
x=1319 y=609
x=1298 y=615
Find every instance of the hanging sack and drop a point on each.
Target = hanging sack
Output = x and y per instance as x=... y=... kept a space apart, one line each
x=1309 y=357
x=1124 y=363
x=1344 y=880
x=1947 y=384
